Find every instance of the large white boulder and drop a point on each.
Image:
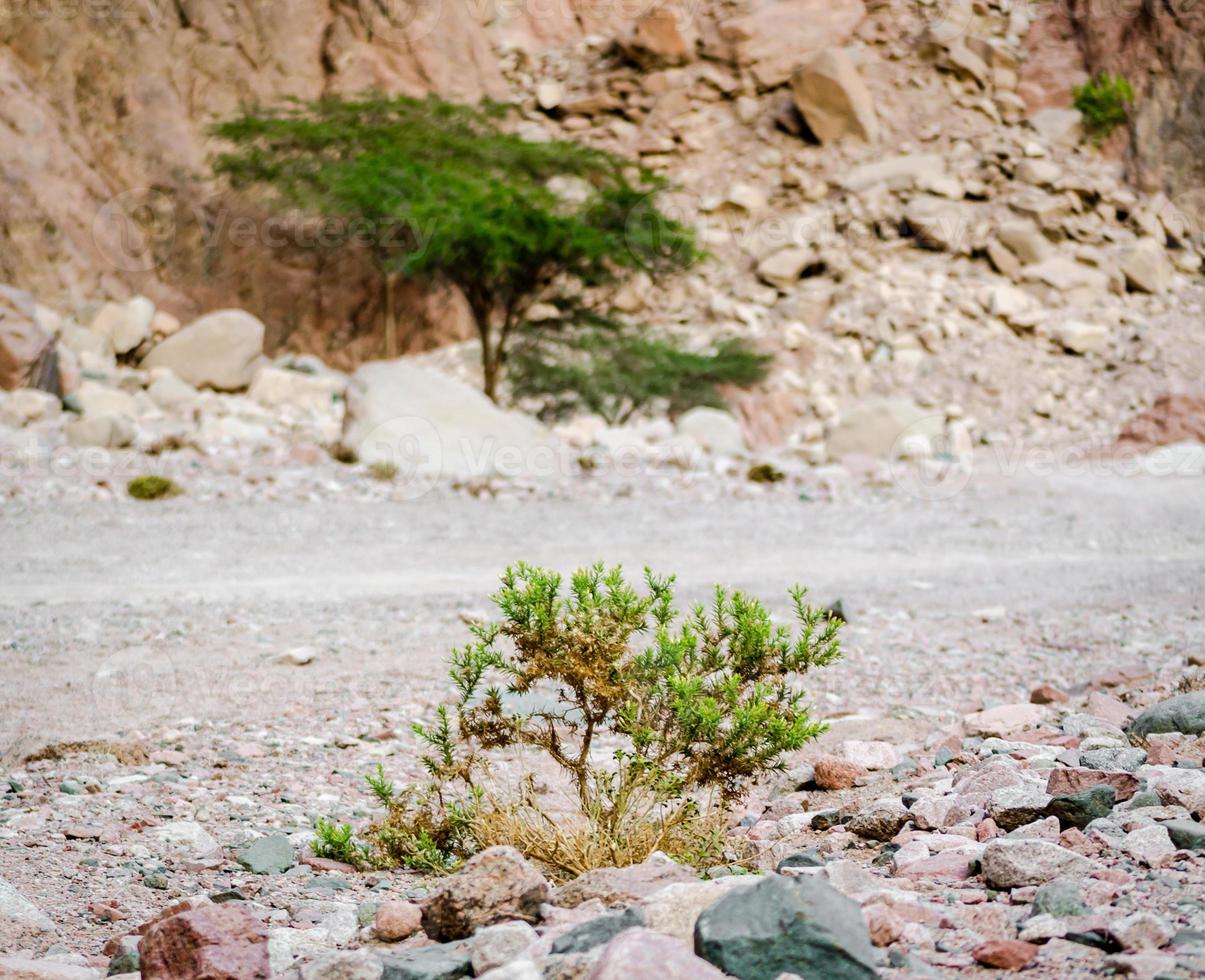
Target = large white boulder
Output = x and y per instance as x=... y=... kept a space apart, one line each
x=219 y=350
x=276 y=387
x=433 y=427
x=716 y=431
x=124 y=325
x=879 y=428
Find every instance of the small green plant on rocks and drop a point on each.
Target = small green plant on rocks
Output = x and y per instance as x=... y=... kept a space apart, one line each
x=656 y=723
x=765 y=473
x=383 y=470
x=152 y=487
x=1103 y=103
x=337 y=842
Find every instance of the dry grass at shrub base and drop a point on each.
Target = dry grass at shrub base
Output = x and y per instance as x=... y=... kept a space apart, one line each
x=569 y=842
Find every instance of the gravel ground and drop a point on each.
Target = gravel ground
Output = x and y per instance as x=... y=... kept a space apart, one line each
x=161 y=624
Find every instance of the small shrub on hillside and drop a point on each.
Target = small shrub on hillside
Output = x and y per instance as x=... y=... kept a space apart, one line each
x=383 y=470
x=656 y=723
x=1103 y=103
x=337 y=842
x=152 y=487
x=765 y=473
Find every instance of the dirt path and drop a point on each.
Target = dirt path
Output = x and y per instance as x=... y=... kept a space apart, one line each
x=121 y=615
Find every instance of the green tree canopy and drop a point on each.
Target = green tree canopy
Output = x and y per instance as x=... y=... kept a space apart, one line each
x=442 y=192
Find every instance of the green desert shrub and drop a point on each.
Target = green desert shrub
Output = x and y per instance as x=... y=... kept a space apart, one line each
x=653 y=724
x=383 y=470
x=599 y=364
x=765 y=473
x=1103 y=102
x=152 y=487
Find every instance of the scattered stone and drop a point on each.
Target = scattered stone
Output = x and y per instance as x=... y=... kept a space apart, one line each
x=1046 y=694
x=882 y=820
x=1141 y=931
x=1116 y=761
x=833 y=99
x=600 y=930
x=870 y=755
x=716 y=431
x=1005 y=954
x=1184 y=713
x=1004 y=720
x=1060 y=898
x=217 y=942
x=272 y=855
x=796 y=925
x=833 y=773
x=1149 y=845
x=897 y=173
x=877 y=428
x=346 y=964
x=107 y=432
x=1080 y=809
x=1188 y=835
x=774 y=39
x=397 y=920
x=1146 y=267
x=19 y=917
x=1009 y=864
x=1081 y=337
x=443 y=962
x=496 y=884
x=616 y=886
x=1067 y=782
x=220 y=350
x=784 y=267
x=644 y=953
x=674 y=910
x=497 y=945
x=1014 y=806
x=124 y=325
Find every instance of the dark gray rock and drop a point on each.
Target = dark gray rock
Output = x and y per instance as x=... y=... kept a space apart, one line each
x=1184 y=713
x=807 y=858
x=1188 y=835
x=598 y=931
x=444 y=962
x=1080 y=809
x=1059 y=898
x=780 y=925
x=268 y=856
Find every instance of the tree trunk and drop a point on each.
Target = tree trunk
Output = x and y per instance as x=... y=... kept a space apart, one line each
x=390 y=316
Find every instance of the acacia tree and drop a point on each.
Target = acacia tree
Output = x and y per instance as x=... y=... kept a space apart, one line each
x=440 y=192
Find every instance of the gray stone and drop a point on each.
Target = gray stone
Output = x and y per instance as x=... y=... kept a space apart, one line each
x=497 y=945
x=19 y=917
x=1146 y=267
x=1080 y=809
x=1060 y=898
x=878 y=427
x=272 y=855
x=1184 y=713
x=898 y=172
x=444 y=962
x=714 y=430
x=1014 y=806
x=1187 y=835
x=107 y=432
x=598 y=931
x=945 y=226
x=1009 y=864
x=881 y=820
x=346 y=964
x=1113 y=760
x=674 y=910
x=796 y=925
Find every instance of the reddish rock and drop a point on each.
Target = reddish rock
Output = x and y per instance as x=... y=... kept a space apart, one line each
x=218 y=942
x=1076 y=840
x=1005 y=954
x=1061 y=782
x=497 y=884
x=1173 y=418
x=1111 y=709
x=397 y=920
x=957 y=863
x=885 y=926
x=987 y=830
x=1047 y=694
x=834 y=773
x=326 y=864
x=184 y=905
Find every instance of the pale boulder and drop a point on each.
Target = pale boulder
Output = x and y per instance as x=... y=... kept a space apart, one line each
x=898 y=172
x=27 y=405
x=106 y=432
x=785 y=267
x=774 y=38
x=834 y=100
x=97 y=400
x=878 y=428
x=1146 y=267
x=220 y=350
x=124 y=325
x=275 y=387
x=1081 y=337
x=716 y=431
x=434 y=427
x=941 y=224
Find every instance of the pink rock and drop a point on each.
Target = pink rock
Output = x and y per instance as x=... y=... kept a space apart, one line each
x=218 y=942
x=396 y=920
x=833 y=773
x=496 y=884
x=1047 y=694
x=1063 y=781
x=1141 y=931
x=1004 y=720
x=987 y=830
x=956 y=863
x=644 y=953
x=885 y=926
x=1005 y=954
x=1111 y=709
x=870 y=755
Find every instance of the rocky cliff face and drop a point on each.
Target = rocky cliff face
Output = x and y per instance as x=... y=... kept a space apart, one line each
x=104 y=108
x=1159 y=46
x=103 y=111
